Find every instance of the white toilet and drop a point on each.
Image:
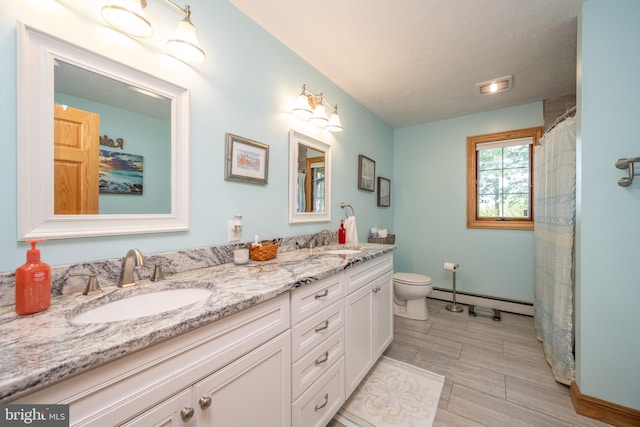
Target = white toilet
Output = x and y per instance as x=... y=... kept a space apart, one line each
x=410 y=295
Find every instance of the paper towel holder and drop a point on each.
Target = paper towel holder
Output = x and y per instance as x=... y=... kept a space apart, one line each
x=454 y=307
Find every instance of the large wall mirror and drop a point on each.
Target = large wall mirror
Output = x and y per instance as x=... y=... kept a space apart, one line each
x=102 y=147
x=309 y=179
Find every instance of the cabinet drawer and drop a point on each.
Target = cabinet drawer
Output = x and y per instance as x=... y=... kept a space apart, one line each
x=312 y=365
x=322 y=400
x=310 y=299
x=309 y=333
x=358 y=276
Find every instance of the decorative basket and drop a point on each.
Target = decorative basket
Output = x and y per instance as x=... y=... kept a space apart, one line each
x=266 y=250
x=389 y=240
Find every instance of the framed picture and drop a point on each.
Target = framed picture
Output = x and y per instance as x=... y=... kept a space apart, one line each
x=384 y=192
x=247 y=160
x=366 y=173
x=121 y=173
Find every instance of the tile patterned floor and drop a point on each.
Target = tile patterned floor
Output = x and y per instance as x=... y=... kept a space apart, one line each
x=496 y=374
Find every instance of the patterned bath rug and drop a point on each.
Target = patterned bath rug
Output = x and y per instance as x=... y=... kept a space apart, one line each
x=393 y=394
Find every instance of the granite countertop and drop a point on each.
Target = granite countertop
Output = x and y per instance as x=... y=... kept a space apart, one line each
x=44 y=348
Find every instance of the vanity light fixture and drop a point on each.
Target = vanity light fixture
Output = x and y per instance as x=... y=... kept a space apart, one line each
x=495 y=86
x=311 y=107
x=128 y=16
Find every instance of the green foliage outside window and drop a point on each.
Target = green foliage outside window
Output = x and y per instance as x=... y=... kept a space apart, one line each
x=503 y=182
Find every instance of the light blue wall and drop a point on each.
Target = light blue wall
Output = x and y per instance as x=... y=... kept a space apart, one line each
x=429 y=195
x=608 y=229
x=245 y=87
x=144 y=136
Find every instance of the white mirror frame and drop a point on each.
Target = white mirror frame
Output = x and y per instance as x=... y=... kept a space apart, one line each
x=296 y=138
x=37 y=51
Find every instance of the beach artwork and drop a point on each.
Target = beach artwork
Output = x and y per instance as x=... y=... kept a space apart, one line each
x=120 y=173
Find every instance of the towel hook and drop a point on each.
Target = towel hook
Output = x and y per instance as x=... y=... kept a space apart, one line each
x=625 y=163
x=343 y=205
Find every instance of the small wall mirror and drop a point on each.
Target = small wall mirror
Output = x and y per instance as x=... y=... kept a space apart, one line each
x=309 y=179
x=100 y=144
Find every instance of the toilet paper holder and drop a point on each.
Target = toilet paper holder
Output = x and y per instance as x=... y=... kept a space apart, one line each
x=450 y=266
x=454 y=307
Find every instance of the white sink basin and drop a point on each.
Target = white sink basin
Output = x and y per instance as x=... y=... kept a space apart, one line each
x=343 y=251
x=142 y=305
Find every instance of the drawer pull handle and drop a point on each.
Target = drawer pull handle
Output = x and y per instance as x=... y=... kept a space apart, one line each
x=186 y=414
x=322 y=295
x=326 y=400
x=322 y=359
x=324 y=326
x=205 y=402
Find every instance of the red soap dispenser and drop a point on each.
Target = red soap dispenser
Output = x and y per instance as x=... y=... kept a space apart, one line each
x=33 y=283
x=342 y=233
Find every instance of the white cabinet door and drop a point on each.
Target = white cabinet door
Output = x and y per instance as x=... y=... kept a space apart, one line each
x=254 y=390
x=382 y=314
x=176 y=411
x=359 y=336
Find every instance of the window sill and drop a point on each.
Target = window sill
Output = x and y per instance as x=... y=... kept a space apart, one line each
x=501 y=225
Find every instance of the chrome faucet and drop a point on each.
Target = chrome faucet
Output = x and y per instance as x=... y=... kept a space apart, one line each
x=319 y=234
x=133 y=257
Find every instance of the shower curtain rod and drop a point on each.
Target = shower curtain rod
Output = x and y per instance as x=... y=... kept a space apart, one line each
x=560 y=119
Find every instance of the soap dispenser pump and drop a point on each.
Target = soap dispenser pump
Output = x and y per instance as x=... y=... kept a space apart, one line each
x=33 y=283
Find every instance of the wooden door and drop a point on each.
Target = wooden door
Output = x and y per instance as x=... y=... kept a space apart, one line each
x=76 y=136
x=310 y=183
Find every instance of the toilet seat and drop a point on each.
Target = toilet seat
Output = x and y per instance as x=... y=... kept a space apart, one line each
x=411 y=279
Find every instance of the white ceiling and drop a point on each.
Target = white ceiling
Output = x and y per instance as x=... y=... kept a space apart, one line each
x=82 y=83
x=417 y=61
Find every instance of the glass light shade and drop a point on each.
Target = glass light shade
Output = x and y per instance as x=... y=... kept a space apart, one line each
x=184 y=43
x=302 y=110
x=128 y=17
x=334 y=124
x=319 y=117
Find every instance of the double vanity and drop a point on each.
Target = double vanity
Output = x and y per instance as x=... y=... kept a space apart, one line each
x=276 y=343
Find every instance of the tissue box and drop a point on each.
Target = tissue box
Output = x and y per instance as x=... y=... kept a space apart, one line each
x=266 y=250
x=389 y=240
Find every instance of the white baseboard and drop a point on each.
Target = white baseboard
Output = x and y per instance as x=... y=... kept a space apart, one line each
x=510 y=306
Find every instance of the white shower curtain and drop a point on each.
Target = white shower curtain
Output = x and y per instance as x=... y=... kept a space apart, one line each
x=301 y=204
x=555 y=218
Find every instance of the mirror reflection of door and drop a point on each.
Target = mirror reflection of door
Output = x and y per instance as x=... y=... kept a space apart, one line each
x=314 y=184
x=76 y=161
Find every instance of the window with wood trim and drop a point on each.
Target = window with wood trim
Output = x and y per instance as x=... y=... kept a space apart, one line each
x=500 y=179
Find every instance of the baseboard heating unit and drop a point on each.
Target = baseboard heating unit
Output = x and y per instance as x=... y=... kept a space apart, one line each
x=482 y=302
